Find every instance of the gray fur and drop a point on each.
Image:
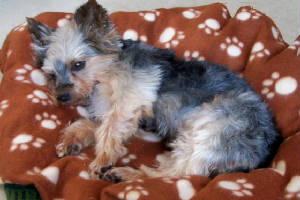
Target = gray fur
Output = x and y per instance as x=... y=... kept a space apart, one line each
x=247 y=135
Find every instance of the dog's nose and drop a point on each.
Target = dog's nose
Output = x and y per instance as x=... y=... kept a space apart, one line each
x=63 y=97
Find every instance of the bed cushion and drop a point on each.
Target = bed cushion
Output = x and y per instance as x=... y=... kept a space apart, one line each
x=249 y=43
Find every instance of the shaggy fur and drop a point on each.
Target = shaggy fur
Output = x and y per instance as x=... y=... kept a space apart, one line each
x=212 y=119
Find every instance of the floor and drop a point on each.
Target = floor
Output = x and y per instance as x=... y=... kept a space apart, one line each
x=284 y=13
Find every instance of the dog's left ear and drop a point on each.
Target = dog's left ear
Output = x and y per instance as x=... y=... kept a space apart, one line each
x=39 y=33
x=93 y=21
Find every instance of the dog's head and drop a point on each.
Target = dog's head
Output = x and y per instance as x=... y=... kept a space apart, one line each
x=63 y=53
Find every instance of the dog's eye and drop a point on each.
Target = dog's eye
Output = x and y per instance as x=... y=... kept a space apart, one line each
x=51 y=77
x=76 y=66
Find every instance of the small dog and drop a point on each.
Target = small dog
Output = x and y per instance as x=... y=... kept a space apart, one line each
x=212 y=119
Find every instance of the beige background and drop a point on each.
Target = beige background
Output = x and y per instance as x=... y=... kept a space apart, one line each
x=285 y=13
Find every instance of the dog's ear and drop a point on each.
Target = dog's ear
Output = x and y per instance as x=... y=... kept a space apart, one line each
x=39 y=33
x=93 y=21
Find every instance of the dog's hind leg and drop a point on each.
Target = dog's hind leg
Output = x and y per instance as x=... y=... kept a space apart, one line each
x=226 y=135
x=75 y=137
x=192 y=151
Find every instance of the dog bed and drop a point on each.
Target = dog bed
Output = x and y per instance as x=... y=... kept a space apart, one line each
x=249 y=43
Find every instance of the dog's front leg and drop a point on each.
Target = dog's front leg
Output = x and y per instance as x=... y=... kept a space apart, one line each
x=78 y=135
x=115 y=129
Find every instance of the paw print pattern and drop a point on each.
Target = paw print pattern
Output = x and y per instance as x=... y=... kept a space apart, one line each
x=3 y=106
x=276 y=34
x=48 y=121
x=246 y=14
x=150 y=16
x=225 y=13
x=258 y=51
x=133 y=192
x=23 y=140
x=34 y=171
x=292 y=190
x=295 y=46
x=170 y=37
x=64 y=21
x=38 y=96
x=133 y=35
x=239 y=188
x=279 y=167
x=9 y=52
x=128 y=158
x=168 y=180
x=210 y=26
x=232 y=46
x=185 y=189
x=22 y=72
x=191 y=13
x=20 y=28
x=189 y=55
x=283 y=86
x=36 y=76
x=84 y=174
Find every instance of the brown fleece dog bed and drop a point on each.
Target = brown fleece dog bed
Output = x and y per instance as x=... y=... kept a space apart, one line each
x=248 y=43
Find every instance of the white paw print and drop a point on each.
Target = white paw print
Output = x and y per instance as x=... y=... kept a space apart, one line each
x=245 y=14
x=276 y=34
x=20 y=28
x=295 y=46
x=48 y=121
x=3 y=105
x=210 y=26
x=133 y=35
x=279 y=167
x=185 y=189
x=191 y=13
x=133 y=192
x=232 y=46
x=23 y=140
x=283 y=86
x=258 y=51
x=170 y=37
x=36 y=76
x=225 y=13
x=38 y=96
x=239 y=188
x=51 y=173
x=128 y=158
x=292 y=190
x=168 y=180
x=64 y=21
x=150 y=16
x=34 y=171
x=193 y=55
x=9 y=52
x=84 y=174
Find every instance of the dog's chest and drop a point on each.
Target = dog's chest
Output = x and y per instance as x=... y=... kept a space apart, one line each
x=98 y=106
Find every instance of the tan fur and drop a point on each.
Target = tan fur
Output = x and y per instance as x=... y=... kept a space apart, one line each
x=80 y=133
x=126 y=107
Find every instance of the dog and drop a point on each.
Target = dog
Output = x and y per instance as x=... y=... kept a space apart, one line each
x=211 y=118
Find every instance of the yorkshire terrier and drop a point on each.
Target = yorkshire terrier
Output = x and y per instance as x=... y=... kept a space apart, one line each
x=212 y=119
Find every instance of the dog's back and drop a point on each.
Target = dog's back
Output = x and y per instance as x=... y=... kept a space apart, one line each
x=206 y=104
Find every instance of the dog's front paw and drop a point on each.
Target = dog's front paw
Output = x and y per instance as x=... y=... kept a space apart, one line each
x=118 y=174
x=99 y=167
x=68 y=144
